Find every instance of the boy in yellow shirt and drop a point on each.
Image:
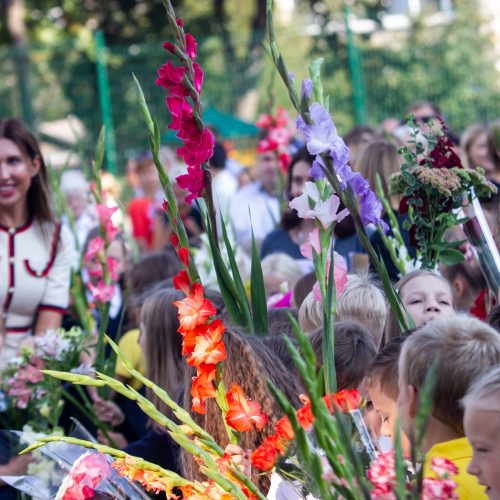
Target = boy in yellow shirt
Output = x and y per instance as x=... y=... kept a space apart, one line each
x=464 y=347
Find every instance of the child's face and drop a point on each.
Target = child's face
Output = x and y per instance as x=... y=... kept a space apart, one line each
x=387 y=408
x=149 y=179
x=482 y=428
x=77 y=202
x=426 y=297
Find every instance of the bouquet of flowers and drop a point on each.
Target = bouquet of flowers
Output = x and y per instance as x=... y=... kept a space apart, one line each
x=29 y=398
x=433 y=183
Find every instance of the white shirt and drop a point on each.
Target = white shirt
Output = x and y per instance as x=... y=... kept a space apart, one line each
x=264 y=209
x=35 y=263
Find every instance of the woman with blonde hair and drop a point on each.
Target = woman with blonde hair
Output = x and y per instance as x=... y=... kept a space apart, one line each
x=474 y=147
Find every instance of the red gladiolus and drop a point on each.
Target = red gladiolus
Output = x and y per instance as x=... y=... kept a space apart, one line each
x=243 y=414
x=174 y=240
x=203 y=387
x=265 y=456
x=189 y=341
x=194 y=310
x=193 y=181
x=183 y=254
x=182 y=282
x=209 y=347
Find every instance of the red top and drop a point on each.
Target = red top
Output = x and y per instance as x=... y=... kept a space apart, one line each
x=141 y=212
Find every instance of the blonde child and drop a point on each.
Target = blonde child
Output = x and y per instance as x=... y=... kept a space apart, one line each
x=382 y=385
x=425 y=295
x=460 y=348
x=482 y=428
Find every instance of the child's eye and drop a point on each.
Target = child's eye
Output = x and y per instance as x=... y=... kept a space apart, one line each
x=415 y=301
x=444 y=302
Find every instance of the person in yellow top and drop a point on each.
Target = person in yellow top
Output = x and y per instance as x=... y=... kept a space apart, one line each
x=129 y=345
x=460 y=348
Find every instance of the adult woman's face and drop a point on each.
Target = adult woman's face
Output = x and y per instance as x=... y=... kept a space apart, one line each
x=16 y=173
x=479 y=153
x=300 y=175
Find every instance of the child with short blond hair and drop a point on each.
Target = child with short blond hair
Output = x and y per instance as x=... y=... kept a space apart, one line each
x=460 y=348
x=364 y=302
x=482 y=428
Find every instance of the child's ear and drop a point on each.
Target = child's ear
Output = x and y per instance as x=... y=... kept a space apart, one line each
x=459 y=287
x=412 y=401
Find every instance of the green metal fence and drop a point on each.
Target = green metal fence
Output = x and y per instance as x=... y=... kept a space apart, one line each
x=96 y=86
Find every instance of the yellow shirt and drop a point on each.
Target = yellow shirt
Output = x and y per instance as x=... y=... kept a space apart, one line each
x=129 y=345
x=460 y=452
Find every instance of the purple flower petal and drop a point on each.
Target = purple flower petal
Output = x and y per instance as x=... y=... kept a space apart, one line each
x=307 y=86
x=316 y=171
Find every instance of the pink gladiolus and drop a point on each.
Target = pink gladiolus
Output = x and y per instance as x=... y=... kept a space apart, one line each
x=102 y=292
x=112 y=265
x=193 y=181
x=313 y=242
x=382 y=474
x=339 y=276
x=84 y=477
x=104 y=212
x=310 y=206
x=96 y=247
x=443 y=467
x=439 y=489
x=111 y=231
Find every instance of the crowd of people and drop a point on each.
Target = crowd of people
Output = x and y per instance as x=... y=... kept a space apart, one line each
x=454 y=322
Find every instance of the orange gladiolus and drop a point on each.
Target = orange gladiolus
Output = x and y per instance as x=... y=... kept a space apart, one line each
x=203 y=387
x=243 y=414
x=151 y=480
x=265 y=456
x=194 y=310
x=209 y=347
x=189 y=340
x=284 y=429
x=304 y=414
x=345 y=400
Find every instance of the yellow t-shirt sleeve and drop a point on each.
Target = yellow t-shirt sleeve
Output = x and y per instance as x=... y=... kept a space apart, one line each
x=129 y=345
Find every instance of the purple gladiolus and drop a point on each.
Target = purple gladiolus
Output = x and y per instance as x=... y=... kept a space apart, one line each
x=307 y=86
x=371 y=210
x=316 y=171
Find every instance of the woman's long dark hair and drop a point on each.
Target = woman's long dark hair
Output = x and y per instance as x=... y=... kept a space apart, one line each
x=39 y=206
x=289 y=218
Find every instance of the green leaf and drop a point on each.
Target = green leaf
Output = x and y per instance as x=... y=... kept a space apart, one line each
x=241 y=297
x=451 y=256
x=258 y=294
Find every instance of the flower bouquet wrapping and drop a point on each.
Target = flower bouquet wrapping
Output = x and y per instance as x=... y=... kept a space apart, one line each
x=483 y=244
x=433 y=183
x=69 y=472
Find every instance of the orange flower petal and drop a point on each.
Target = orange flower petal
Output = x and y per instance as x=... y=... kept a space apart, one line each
x=209 y=347
x=264 y=457
x=194 y=310
x=243 y=414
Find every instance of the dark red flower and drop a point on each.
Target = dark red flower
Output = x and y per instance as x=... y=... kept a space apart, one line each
x=169 y=46
x=198 y=77
x=174 y=240
x=179 y=23
x=197 y=149
x=180 y=110
x=443 y=156
x=191 y=46
x=193 y=181
x=170 y=78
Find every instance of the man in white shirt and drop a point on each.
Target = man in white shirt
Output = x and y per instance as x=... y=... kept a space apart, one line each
x=257 y=204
